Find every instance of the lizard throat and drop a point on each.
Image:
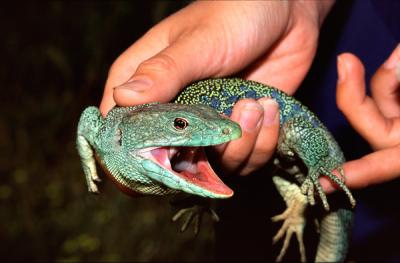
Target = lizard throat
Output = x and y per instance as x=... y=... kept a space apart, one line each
x=191 y=165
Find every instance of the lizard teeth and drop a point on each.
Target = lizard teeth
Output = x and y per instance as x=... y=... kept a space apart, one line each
x=185 y=161
x=172 y=151
x=189 y=164
x=182 y=161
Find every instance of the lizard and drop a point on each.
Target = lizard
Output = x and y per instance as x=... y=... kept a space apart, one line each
x=157 y=149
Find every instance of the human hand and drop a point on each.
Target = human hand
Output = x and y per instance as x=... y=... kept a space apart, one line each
x=266 y=41
x=376 y=119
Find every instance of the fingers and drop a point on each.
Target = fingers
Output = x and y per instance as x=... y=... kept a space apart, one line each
x=248 y=113
x=361 y=111
x=385 y=86
x=260 y=128
x=267 y=137
x=200 y=40
x=126 y=64
x=137 y=79
x=156 y=65
x=186 y=46
x=377 y=167
x=160 y=77
x=286 y=65
x=163 y=75
x=374 y=118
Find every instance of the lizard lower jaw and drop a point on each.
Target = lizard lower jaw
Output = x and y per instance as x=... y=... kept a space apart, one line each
x=191 y=165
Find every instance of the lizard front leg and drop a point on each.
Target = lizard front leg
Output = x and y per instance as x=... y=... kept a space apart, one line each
x=191 y=211
x=293 y=216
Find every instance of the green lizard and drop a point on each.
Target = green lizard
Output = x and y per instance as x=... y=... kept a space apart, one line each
x=157 y=149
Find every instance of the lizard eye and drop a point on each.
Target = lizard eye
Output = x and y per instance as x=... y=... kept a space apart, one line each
x=180 y=123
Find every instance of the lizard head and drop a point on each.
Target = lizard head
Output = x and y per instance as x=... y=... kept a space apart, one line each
x=166 y=141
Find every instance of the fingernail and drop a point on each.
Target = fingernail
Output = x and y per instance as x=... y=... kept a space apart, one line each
x=270 y=111
x=393 y=59
x=136 y=84
x=250 y=116
x=342 y=69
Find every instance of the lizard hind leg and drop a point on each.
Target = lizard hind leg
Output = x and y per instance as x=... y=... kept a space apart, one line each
x=312 y=181
x=293 y=217
x=340 y=182
x=309 y=185
x=287 y=229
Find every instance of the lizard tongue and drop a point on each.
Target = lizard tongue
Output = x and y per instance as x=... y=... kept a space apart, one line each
x=191 y=164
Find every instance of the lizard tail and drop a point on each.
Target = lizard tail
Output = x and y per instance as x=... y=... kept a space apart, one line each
x=334 y=240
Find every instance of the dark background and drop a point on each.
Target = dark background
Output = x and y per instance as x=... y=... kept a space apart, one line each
x=54 y=62
x=55 y=58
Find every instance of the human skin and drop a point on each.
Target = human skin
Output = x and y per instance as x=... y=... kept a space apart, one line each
x=272 y=42
x=376 y=118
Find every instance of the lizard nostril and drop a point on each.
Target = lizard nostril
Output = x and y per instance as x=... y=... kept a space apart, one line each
x=226 y=131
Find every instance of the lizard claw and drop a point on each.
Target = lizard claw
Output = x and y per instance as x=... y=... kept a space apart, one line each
x=91 y=178
x=340 y=182
x=293 y=217
x=194 y=213
x=307 y=188
x=92 y=188
x=287 y=229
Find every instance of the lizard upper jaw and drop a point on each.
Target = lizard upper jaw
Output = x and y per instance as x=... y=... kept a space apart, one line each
x=191 y=165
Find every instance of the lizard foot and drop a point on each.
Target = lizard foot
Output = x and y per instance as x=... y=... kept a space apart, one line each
x=88 y=164
x=193 y=214
x=312 y=181
x=293 y=216
x=92 y=179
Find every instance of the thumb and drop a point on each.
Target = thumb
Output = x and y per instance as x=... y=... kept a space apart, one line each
x=161 y=77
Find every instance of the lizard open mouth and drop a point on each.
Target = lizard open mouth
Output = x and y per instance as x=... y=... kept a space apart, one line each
x=191 y=165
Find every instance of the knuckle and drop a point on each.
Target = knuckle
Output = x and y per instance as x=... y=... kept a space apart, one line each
x=160 y=63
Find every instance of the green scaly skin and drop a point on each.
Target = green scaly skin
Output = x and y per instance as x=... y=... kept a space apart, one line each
x=123 y=140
